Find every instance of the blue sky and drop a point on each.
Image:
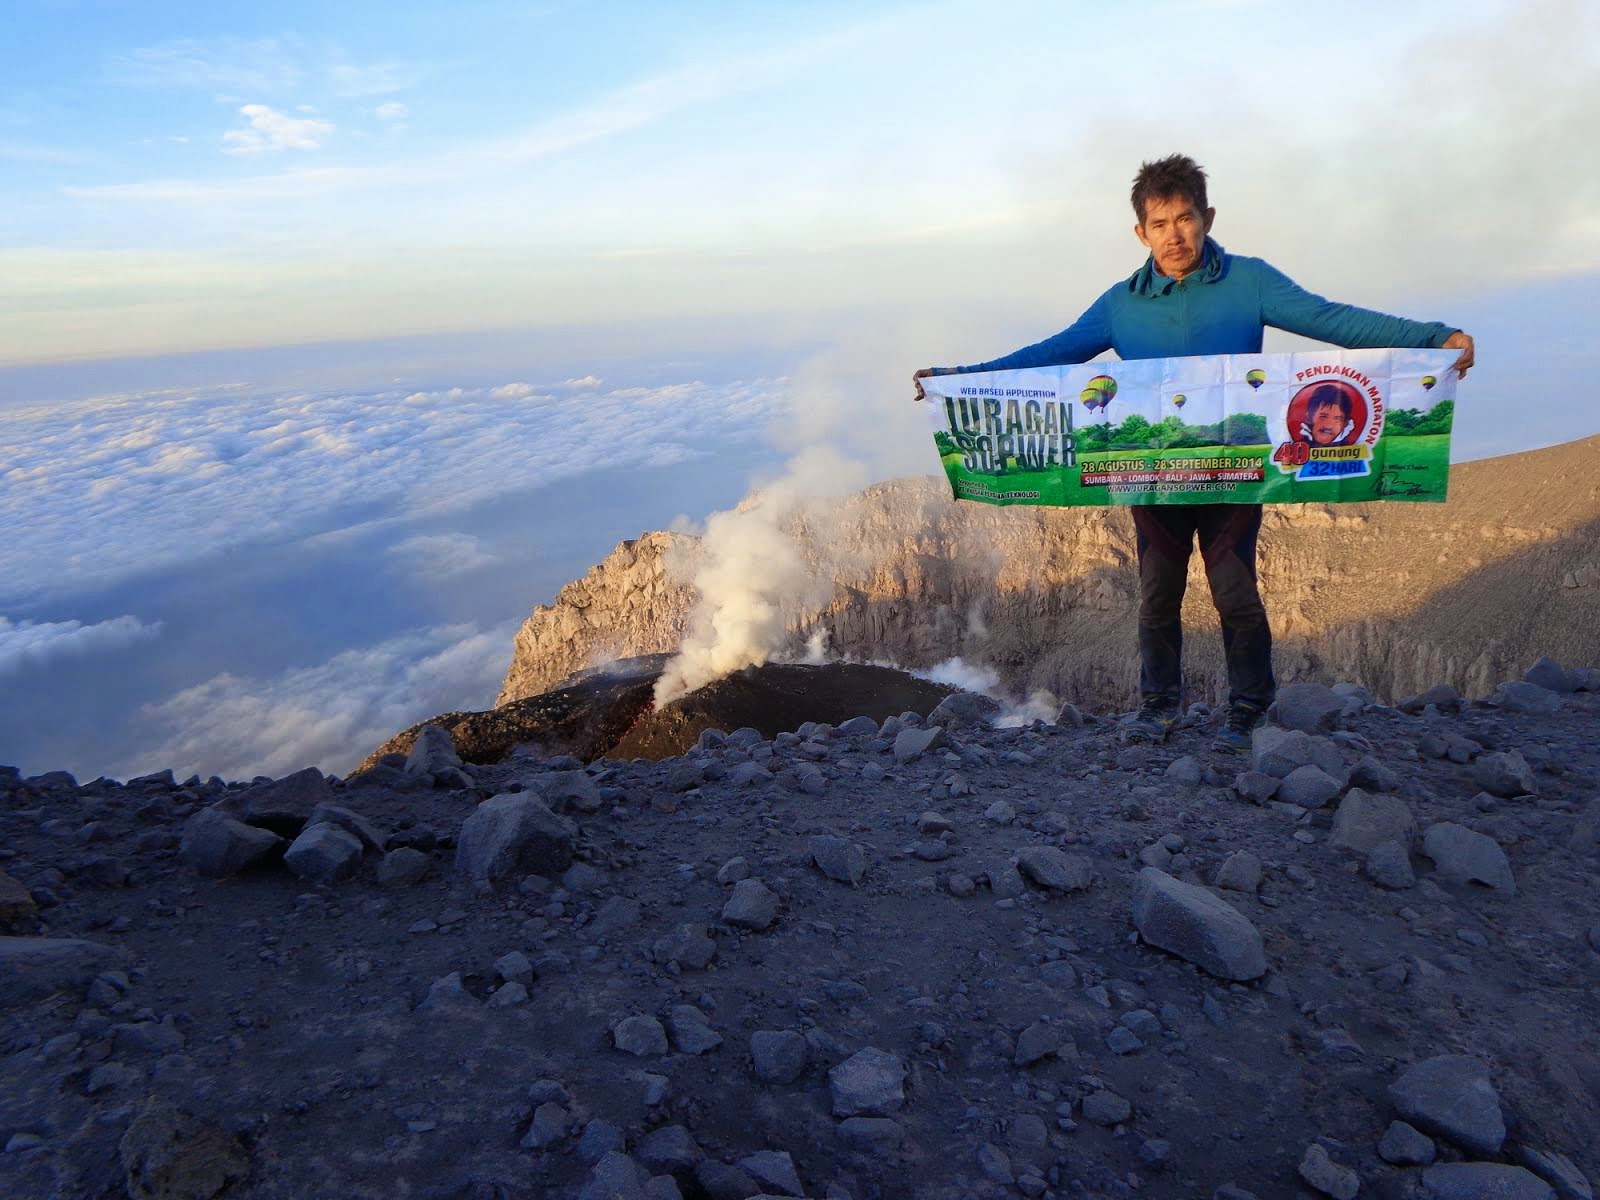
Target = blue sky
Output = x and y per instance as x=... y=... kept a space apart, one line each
x=309 y=313
x=182 y=176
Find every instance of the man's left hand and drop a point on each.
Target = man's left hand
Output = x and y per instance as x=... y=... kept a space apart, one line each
x=1461 y=341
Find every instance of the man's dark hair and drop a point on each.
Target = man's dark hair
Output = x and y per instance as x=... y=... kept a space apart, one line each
x=1328 y=394
x=1175 y=175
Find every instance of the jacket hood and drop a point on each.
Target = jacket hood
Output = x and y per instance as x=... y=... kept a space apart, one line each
x=1147 y=281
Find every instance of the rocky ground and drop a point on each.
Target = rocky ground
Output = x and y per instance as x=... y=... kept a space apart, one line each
x=922 y=958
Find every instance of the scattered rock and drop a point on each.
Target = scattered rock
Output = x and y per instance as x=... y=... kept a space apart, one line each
x=912 y=744
x=1405 y=1146
x=1364 y=820
x=324 y=853
x=32 y=968
x=1505 y=774
x=779 y=1056
x=869 y=1083
x=1389 y=865
x=753 y=905
x=1463 y=856
x=1307 y=707
x=18 y=912
x=403 y=868
x=1308 y=786
x=168 y=1154
x=1451 y=1096
x=514 y=834
x=1240 y=872
x=1327 y=1176
x=215 y=844
x=1483 y=1181
x=1197 y=926
x=1051 y=868
x=640 y=1036
x=838 y=859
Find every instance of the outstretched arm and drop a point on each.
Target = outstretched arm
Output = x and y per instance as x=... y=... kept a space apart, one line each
x=1089 y=335
x=1287 y=305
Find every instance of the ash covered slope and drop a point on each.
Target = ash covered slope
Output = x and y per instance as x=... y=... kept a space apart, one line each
x=1396 y=597
x=863 y=962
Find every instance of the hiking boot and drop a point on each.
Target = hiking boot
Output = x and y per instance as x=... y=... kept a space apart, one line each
x=1152 y=723
x=1235 y=732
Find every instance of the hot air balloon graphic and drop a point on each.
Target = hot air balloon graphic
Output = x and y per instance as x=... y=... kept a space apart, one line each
x=1256 y=377
x=1427 y=383
x=1097 y=393
x=1179 y=400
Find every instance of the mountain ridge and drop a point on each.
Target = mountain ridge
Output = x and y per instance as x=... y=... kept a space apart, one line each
x=1392 y=596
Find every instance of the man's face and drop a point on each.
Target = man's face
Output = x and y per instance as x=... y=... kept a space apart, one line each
x=1327 y=424
x=1175 y=232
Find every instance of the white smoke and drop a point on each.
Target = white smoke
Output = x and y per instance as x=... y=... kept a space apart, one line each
x=969 y=677
x=751 y=575
x=850 y=421
x=1041 y=705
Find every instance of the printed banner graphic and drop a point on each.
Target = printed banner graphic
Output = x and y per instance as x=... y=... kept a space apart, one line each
x=1316 y=426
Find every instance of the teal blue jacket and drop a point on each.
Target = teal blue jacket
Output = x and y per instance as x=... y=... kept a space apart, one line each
x=1221 y=308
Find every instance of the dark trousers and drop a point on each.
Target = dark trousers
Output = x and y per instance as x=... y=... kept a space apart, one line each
x=1227 y=533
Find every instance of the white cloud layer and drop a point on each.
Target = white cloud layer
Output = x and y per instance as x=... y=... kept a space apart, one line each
x=98 y=490
x=28 y=644
x=271 y=130
x=331 y=715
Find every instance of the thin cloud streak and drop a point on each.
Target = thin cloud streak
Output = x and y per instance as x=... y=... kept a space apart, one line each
x=624 y=110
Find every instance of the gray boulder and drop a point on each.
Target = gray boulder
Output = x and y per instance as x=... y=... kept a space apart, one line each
x=403 y=867
x=1277 y=752
x=911 y=744
x=870 y=1083
x=215 y=845
x=1308 y=707
x=1364 y=820
x=640 y=1036
x=567 y=791
x=1406 y=1146
x=1519 y=697
x=1464 y=856
x=965 y=710
x=1451 y=1096
x=324 y=854
x=838 y=859
x=688 y=945
x=1483 y=1181
x=1548 y=673
x=1389 y=865
x=753 y=905
x=514 y=834
x=1197 y=926
x=615 y=1177
x=1308 y=786
x=669 y=1150
x=1505 y=774
x=1327 y=1176
x=774 y=1171
x=433 y=757
x=170 y=1154
x=778 y=1055
x=285 y=805
x=1053 y=869
x=1240 y=872
x=351 y=822
x=1559 y=1171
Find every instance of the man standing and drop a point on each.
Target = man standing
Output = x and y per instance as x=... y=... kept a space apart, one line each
x=1192 y=297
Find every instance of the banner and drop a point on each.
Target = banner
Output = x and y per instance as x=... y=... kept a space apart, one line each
x=1315 y=426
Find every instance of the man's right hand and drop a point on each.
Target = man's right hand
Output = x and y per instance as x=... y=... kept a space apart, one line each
x=917 y=378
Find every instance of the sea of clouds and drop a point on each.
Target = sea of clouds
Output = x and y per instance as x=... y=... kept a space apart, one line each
x=231 y=581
